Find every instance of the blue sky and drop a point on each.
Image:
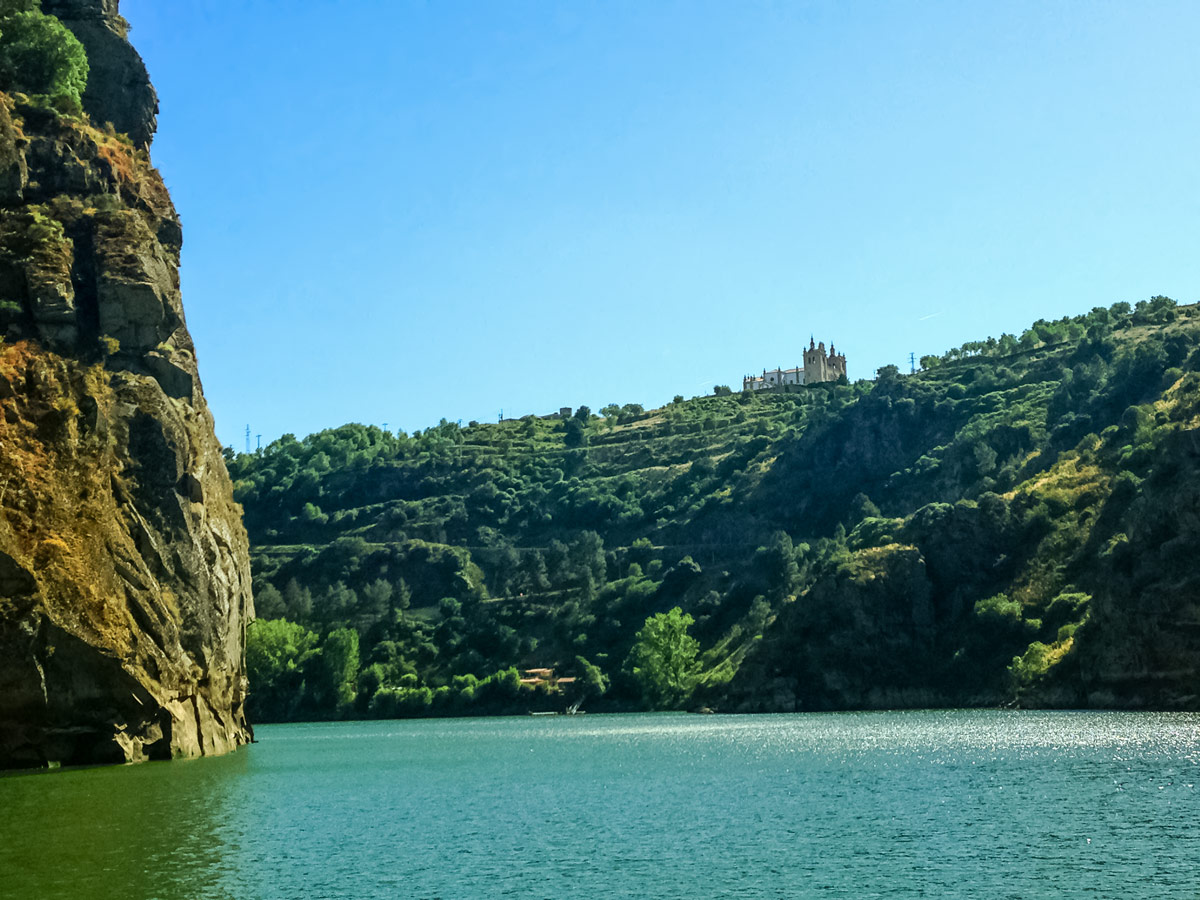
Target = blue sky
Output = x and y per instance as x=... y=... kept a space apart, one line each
x=398 y=211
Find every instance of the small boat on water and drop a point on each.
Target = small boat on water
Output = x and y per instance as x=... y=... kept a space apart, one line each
x=572 y=710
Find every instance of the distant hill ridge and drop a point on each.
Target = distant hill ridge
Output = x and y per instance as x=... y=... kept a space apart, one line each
x=1013 y=524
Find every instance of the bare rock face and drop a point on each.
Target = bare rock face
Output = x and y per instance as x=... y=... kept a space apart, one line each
x=124 y=572
x=119 y=89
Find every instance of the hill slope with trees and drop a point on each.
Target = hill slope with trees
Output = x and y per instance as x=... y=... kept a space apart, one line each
x=1014 y=524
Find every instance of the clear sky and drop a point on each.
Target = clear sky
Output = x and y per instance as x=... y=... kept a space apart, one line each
x=400 y=211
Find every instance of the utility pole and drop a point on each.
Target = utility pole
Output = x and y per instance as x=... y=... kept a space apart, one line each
x=259 y=442
x=385 y=428
x=247 y=438
x=501 y=418
x=912 y=363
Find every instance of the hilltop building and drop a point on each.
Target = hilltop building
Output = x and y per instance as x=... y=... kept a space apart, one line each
x=818 y=366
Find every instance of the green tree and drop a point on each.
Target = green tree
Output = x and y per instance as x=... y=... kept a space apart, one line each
x=39 y=55
x=533 y=572
x=641 y=551
x=663 y=659
x=268 y=602
x=574 y=432
x=592 y=681
x=298 y=601
x=586 y=554
x=277 y=654
x=312 y=513
x=861 y=507
x=338 y=671
x=374 y=601
x=776 y=563
x=338 y=602
x=985 y=459
x=557 y=557
x=401 y=598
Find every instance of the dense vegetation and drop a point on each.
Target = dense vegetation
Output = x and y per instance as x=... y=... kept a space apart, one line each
x=40 y=56
x=1014 y=523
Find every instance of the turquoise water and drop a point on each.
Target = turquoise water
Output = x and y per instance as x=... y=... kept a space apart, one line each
x=857 y=805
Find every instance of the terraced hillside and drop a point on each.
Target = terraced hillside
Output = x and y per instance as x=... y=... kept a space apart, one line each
x=1015 y=523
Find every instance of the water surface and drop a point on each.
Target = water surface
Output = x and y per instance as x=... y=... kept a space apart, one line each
x=858 y=805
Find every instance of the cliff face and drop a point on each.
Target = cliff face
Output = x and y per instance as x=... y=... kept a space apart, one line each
x=124 y=578
x=118 y=90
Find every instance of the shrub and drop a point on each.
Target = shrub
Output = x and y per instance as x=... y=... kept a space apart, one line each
x=998 y=610
x=39 y=55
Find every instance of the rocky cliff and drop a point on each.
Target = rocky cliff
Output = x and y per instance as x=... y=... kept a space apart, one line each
x=124 y=581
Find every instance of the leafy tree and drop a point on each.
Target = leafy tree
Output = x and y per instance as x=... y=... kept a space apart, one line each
x=557 y=556
x=374 y=601
x=663 y=659
x=592 y=682
x=985 y=458
x=586 y=555
x=338 y=602
x=574 y=432
x=39 y=55
x=631 y=411
x=268 y=602
x=401 y=597
x=721 y=390
x=338 y=669
x=641 y=551
x=681 y=576
x=277 y=653
x=861 y=507
x=760 y=612
x=776 y=563
x=312 y=513
x=533 y=572
x=298 y=601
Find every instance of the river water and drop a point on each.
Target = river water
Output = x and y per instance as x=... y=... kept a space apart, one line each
x=857 y=805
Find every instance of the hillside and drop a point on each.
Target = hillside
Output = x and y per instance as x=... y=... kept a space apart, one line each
x=1016 y=523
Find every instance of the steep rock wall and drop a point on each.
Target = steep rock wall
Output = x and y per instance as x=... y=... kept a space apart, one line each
x=124 y=577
